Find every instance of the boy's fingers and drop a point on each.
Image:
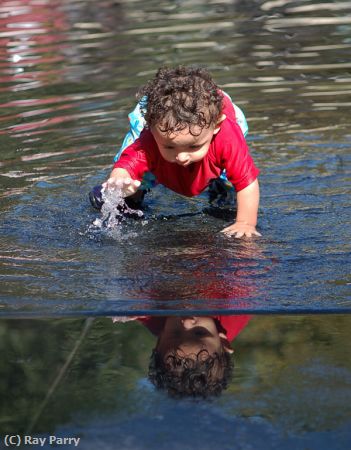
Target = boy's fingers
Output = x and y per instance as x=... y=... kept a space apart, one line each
x=227 y=230
x=239 y=234
x=131 y=184
x=230 y=232
x=122 y=183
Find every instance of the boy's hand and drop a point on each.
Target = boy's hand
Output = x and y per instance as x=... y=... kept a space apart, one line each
x=241 y=229
x=120 y=179
x=246 y=217
x=126 y=185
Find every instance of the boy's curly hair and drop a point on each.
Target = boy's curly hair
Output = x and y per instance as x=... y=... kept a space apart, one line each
x=202 y=375
x=179 y=98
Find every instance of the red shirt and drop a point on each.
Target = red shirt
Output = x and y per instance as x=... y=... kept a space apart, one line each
x=231 y=326
x=228 y=151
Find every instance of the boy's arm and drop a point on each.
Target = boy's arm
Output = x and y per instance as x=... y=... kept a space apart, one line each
x=120 y=179
x=247 y=208
x=128 y=171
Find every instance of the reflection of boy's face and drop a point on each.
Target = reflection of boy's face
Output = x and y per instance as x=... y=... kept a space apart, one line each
x=189 y=335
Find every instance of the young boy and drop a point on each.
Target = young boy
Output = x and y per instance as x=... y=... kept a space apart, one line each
x=191 y=137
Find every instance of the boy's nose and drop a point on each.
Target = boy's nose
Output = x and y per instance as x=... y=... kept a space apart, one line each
x=182 y=157
x=189 y=322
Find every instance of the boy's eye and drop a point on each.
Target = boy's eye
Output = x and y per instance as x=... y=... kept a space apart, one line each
x=199 y=331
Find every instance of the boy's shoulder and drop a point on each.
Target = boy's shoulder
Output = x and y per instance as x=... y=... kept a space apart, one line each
x=229 y=136
x=228 y=107
x=227 y=143
x=232 y=325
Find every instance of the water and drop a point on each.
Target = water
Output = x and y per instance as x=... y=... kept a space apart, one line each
x=69 y=71
x=114 y=212
x=291 y=386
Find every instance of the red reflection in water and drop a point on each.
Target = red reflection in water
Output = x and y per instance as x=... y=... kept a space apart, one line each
x=31 y=38
x=229 y=274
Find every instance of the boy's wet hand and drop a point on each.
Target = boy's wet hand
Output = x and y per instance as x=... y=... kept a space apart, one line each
x=126 y=185
x=241 y=229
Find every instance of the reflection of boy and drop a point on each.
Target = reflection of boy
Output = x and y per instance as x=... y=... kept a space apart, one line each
x=193 y=354
x=191 y=138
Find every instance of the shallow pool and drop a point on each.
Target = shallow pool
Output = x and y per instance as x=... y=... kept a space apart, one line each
x=68 y=75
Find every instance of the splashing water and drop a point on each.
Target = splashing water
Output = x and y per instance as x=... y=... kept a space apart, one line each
x=114 y=212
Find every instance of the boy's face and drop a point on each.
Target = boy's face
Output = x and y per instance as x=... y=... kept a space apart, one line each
x=182 y=147
x=189 y=335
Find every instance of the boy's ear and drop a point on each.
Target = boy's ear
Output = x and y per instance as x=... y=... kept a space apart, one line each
x=225 y=343
x=218 y=124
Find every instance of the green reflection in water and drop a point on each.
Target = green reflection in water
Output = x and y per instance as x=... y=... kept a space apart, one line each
x=294 y=371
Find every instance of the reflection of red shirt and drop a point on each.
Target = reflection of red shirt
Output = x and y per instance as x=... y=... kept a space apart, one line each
x=228 y=150
x=230 y=325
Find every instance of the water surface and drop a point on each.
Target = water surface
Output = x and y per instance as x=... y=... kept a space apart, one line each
x=68 y=76
x=88 y=379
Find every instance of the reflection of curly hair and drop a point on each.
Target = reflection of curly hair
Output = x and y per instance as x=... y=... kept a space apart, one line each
x=179 y=98
x=202 y=375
